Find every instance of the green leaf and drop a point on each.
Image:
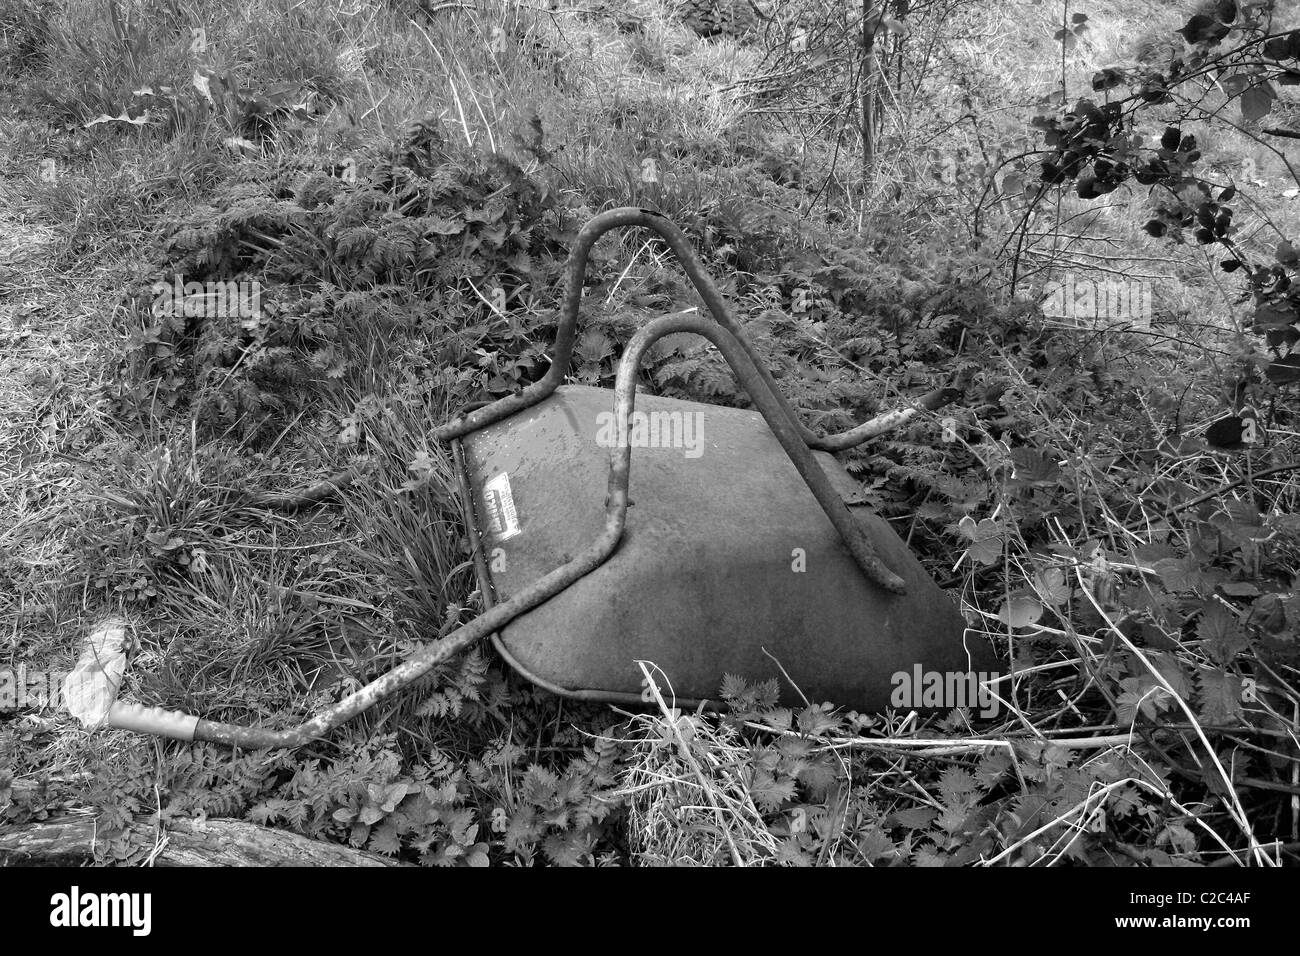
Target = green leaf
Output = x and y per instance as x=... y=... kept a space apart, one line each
x=1051 y=586
x=1035 y=466
x=1277 y=48
x=1204 y=29
x=818 y=777
x=1170 y=667
x=732 y=687
x=874 y=844
x=1226 y=433
x=770 y=793
x=1142 y=693
x=956 y=785
x=1241 y=589
x=815 y=720
x=1178 y=574
x=791 y=853
x=384 y=839
x=986 y=538
x=928 y=856
x=1284 y=371
x=1257 y=102
x=917 y=818
x=1220 y=698
x=1107 y=79
x=1236 y=83
x=1020 y=611
x=1221 y=635
x=566 y=849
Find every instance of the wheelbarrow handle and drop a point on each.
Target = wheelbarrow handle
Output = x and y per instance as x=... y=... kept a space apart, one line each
x=575 y=270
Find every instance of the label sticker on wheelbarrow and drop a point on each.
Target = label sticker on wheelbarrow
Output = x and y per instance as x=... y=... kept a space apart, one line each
x=502 y=519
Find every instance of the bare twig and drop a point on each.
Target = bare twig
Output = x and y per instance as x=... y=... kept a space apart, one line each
x=307 y=495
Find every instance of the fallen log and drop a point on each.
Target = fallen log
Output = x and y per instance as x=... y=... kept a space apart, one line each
x=72 y=841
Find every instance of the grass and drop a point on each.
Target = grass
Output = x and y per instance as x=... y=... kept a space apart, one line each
x=239 y=612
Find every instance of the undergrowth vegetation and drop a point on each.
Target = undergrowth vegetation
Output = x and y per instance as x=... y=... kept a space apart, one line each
x=313 y=231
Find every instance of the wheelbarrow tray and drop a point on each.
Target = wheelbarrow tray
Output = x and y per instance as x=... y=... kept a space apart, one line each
x=727 y=565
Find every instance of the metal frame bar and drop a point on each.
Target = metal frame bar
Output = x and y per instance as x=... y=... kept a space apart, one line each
x=575 y=270
x=736 y=348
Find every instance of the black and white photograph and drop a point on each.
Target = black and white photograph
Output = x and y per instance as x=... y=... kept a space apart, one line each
x=627 y=434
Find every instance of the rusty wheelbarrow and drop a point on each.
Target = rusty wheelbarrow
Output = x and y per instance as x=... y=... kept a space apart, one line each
x=738 y=556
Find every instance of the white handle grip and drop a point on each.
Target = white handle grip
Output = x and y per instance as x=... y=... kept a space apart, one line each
x=152 y=720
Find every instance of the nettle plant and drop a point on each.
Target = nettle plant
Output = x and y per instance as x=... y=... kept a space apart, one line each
x=1226 y=72
x=420 y=244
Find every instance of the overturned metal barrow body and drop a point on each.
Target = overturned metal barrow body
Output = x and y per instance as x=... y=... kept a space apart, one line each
x=739 y=557
x=727 y=564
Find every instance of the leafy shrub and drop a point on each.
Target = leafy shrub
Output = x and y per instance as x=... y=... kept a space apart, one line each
x=420 y=248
